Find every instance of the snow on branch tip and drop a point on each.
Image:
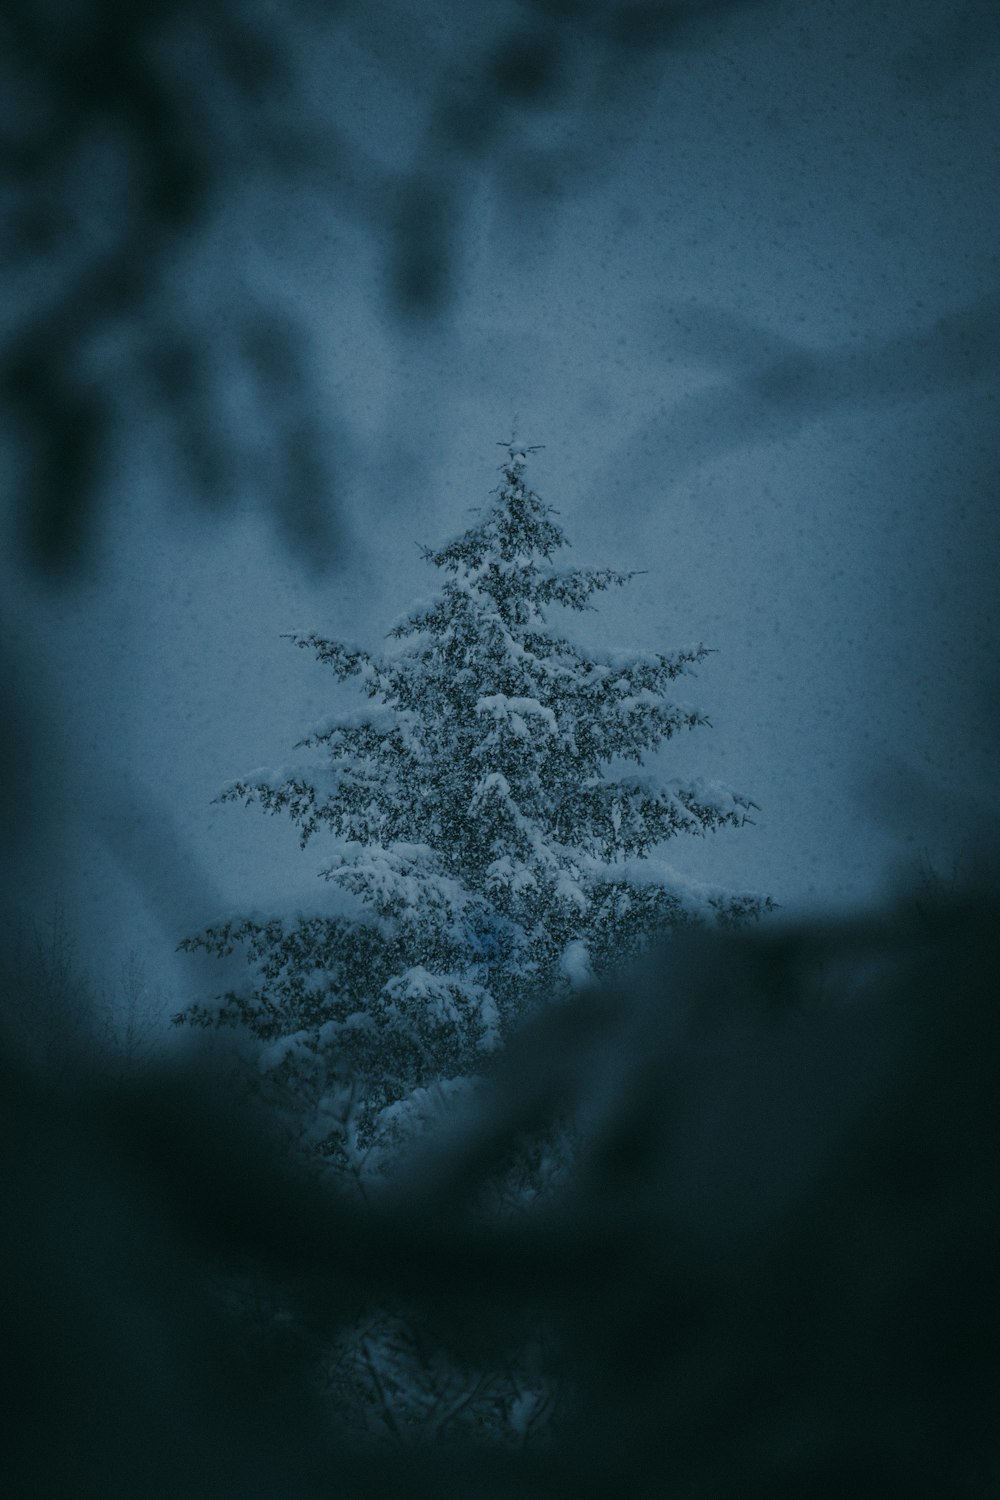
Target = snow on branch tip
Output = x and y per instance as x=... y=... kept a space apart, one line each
x=346 y=661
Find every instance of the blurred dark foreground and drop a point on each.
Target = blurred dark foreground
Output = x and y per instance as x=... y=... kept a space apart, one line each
x=771 y=1271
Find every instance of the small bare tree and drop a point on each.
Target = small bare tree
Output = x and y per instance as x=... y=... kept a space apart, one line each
x=130 y=1018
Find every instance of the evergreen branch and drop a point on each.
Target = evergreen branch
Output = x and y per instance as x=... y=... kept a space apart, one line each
x=346 y=661
x=574 y=587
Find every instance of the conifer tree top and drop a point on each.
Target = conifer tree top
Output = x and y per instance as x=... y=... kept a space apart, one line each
x=506 y=555
x=517 y=525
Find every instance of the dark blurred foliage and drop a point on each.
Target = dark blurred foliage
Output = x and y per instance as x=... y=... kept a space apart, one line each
x=771 y=1273
x=132 y=138
x=140 y=146
x=124 y=129
x=772 y=388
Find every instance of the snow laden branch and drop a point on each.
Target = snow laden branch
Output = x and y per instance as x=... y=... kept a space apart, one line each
x=346 y=661
x=573 y=589
x=354 y=791
x=631 y=815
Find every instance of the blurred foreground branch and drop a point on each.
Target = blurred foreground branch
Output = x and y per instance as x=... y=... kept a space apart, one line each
x=771 y=1270
x=163 y=169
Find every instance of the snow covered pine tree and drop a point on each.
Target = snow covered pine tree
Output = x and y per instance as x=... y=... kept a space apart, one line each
x=494 y=858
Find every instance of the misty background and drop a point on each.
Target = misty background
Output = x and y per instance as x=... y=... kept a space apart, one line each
x=277 y=281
